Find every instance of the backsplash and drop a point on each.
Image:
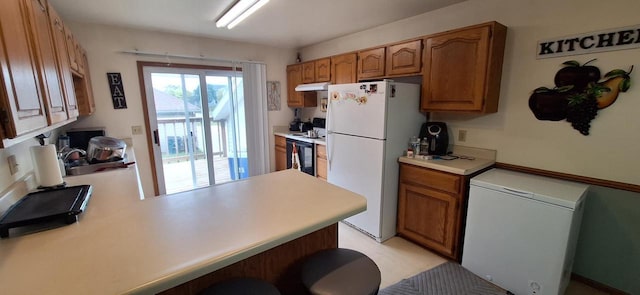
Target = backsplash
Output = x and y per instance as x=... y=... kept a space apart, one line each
x=310 y=113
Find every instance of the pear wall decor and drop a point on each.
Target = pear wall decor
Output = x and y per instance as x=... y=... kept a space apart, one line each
x=579 y=93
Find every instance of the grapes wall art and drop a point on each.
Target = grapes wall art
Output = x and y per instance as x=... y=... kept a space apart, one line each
x=580 y=92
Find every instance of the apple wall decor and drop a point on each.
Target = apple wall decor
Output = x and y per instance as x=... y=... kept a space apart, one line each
x=578 y=95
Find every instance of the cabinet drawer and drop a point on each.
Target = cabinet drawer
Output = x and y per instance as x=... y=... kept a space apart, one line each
x=281 y=141
x=431 y=178
x=321 y=151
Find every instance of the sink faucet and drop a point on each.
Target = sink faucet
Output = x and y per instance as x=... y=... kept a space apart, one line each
x=64 y=155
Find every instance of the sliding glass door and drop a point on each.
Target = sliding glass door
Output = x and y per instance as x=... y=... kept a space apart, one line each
x=197 y=122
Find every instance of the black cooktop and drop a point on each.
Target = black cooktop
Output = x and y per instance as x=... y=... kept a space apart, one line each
x=45 y=206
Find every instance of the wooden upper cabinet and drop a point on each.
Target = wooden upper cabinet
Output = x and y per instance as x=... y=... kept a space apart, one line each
x=298 y=99
x=83 y=88
x=71 y=49
x=371 y=63
x=50 y=82
x=394 y=60
x=79 y=57
x=308 y=72
x=21 y=107
x=64 y=68
x=344 y=68
x=323 y=70
x=463 y=68
x=404 y=58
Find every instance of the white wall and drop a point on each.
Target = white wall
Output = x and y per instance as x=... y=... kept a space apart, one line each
x=103 y=45
x=517 y=135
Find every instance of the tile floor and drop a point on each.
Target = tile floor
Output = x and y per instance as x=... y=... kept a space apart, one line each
x=398 y=258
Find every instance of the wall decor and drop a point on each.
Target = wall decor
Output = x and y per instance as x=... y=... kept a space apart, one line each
x=273 y=95
x=579 y=94
x=600 y=41
x=117 y=90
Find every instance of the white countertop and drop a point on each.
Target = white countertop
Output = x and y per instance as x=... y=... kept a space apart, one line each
x=480 y=159
x=284 y=132
x=123 y=244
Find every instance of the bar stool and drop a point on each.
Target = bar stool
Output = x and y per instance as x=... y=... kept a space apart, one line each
x=241 y=286
x=341 y=271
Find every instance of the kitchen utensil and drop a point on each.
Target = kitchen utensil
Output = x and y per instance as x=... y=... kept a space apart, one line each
x=312 y=134
x=105 y=149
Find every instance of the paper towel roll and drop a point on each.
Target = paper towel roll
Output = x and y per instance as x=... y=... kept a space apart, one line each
x=45 y=161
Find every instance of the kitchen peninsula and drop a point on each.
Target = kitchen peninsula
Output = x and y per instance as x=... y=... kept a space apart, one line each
x=124 y=244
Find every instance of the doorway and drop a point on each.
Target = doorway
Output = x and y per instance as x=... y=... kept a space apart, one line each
x=197 y=121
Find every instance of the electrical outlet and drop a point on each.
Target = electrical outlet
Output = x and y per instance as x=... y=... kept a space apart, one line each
x=13 y=164
x=535 y=288
x=136 y=130
x=462 y=135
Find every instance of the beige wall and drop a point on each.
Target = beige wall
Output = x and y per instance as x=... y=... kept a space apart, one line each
x=517 y=135
x=103 y=45
x=609 y=244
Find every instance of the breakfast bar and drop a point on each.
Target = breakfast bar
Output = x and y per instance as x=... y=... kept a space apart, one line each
x=127 y=244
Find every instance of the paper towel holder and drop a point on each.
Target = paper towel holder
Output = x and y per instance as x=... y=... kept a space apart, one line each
x=40 y=138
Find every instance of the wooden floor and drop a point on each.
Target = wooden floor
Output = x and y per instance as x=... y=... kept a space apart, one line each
x=398 y=258
x=178 y=175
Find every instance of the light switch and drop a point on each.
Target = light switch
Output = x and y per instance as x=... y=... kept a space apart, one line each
x=136 y=130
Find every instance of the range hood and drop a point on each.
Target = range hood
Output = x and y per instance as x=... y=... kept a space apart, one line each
x=313 y=87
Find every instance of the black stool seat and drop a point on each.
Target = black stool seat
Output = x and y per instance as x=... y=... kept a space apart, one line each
x=242 y=286
x=341 y=271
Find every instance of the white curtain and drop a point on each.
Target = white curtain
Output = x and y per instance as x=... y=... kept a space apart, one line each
x=255 y=100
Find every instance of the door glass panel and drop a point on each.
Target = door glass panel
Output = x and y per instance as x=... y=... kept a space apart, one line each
x=228 y=130
x=201 y=136
x=178 y=106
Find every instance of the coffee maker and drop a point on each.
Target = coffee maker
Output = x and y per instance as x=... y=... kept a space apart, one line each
x=437 y=136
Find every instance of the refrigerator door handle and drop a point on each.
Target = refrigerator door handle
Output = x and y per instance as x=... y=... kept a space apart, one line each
x=329 y=132
x=329 y=154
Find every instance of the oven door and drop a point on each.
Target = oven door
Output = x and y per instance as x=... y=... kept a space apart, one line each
x=306 y=153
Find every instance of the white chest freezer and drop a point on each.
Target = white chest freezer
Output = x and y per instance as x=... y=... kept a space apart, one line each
x=521 y=230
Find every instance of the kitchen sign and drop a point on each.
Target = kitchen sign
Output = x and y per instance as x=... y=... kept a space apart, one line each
x=600 y=41
x=117 y=90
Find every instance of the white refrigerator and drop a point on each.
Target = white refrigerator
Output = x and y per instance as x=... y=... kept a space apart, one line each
x=368 y=127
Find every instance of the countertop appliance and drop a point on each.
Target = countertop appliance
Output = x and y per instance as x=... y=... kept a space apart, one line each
x=437 y=137
x=40 y=207
x=368 y=125
x=522 y=229
x=79 y=138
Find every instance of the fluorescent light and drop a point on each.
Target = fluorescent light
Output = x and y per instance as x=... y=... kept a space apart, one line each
x=234 y=12
x=241 y=10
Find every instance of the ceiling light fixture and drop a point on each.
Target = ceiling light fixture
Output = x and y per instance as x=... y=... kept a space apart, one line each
x=241 y=10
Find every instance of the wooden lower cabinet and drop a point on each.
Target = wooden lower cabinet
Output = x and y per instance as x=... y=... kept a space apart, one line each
x=281 y=152
x=321 y=162
x=430 y=209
